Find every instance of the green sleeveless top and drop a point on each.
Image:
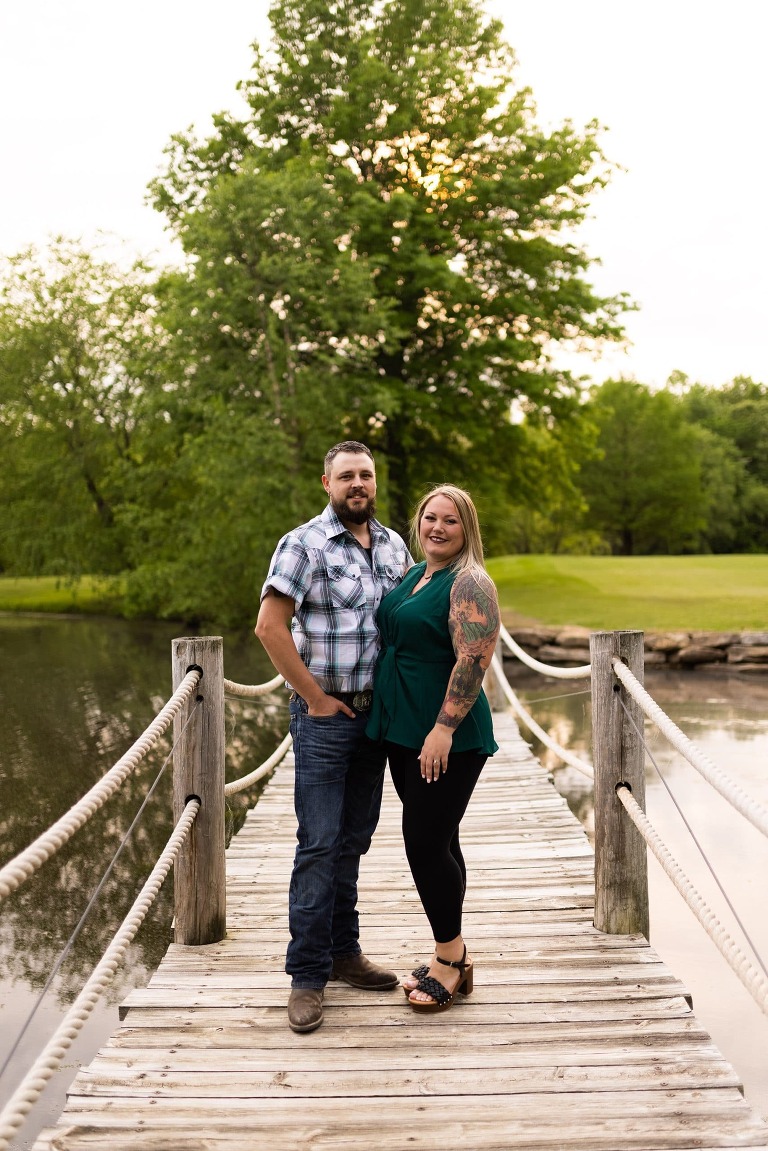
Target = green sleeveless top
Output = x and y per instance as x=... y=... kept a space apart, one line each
x=415 y=664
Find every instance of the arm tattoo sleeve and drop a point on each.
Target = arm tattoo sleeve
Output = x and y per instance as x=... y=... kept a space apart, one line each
x=474 y=624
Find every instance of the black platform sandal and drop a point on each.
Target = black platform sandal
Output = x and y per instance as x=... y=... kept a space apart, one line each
x=422 y=971
x=441 y=998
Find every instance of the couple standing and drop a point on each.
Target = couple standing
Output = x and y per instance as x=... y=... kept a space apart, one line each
x=357 y=605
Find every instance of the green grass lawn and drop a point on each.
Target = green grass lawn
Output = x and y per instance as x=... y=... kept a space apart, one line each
x=53 y=594
x=709 y=593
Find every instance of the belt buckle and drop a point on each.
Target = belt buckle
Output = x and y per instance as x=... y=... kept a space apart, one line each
x=361 y=700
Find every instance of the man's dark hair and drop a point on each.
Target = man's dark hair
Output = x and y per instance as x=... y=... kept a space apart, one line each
x=345 y=446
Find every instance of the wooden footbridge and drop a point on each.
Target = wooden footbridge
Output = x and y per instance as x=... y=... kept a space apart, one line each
x=571 y=1039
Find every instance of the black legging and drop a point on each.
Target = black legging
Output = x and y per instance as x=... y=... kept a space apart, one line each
x=432 y=813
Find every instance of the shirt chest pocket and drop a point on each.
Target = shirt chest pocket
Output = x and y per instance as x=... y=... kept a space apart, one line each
x=346 y=591
x=388 y=575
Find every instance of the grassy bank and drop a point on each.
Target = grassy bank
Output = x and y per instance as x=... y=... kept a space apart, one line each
x=709 y=593
x=53 y=594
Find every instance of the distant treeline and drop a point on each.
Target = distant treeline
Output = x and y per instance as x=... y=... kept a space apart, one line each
x=382 y=248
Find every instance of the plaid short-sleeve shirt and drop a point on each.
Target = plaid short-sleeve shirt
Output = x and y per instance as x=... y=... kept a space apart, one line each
x=337 y=592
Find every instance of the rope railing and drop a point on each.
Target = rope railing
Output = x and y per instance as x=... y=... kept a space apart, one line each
x=48 y=1062
x=24 y=865
x=64 y=953
x=258 y=773
x=754 y=981
x=743 y=803
x=252 y=691
x=27 y=862
x=615 y=910
x=561 y=752
x=545 y=668
x=755 y=812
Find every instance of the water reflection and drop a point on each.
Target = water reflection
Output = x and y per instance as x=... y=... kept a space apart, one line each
x=74 y=695
x=563 y=708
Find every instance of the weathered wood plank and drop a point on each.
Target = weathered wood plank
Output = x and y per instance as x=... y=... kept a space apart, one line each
x=500 y=985
x=490 y=1005
x=256 y=1023
x=664 y=1073
x=566 y=1046
x=647 y=1120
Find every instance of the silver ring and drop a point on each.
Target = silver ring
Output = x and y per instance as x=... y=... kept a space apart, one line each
x=435 y=762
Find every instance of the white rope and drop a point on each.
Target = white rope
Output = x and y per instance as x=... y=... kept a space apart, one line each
x=259 y=772
x=26 y=863
x=251 y=691
x=749 y=807
x=754 y=981
x=48 y=1062
x=580 y=672
x=530 y=723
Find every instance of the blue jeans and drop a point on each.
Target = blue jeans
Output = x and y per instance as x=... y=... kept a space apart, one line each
x=337 y=796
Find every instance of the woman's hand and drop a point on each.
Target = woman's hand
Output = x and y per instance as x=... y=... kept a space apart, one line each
x=433 y=758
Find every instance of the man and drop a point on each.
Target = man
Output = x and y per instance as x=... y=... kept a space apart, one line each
x=327 y=578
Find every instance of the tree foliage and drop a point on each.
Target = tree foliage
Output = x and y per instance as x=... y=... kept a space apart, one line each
x=385 y=243
x=644 y=491
x=110 y=466
x=678 y=470
x=384 y=247
x=736 y=418
x=73 y=332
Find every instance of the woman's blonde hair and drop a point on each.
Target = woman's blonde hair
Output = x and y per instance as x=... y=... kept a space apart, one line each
x=470 y=558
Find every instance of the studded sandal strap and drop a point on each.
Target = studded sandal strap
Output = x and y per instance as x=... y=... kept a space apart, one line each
x=434 y=989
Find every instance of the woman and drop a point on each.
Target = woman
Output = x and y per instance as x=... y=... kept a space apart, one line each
x=438 y=632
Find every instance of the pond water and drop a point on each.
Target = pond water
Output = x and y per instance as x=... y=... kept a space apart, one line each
x=74 y=695
x=726 y=716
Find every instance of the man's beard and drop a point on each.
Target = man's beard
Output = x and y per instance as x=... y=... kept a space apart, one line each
x=354 y=515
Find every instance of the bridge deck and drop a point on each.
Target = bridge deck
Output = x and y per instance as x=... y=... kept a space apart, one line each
x=571 y=1039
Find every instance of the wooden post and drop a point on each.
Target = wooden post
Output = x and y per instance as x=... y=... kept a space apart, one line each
x=621 y=864
x=198 y=759
x=492 y=687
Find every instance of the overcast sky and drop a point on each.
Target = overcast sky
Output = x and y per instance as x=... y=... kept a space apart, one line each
x=91 y=90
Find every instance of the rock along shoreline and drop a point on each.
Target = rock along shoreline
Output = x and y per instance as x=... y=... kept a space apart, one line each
x=745 y=651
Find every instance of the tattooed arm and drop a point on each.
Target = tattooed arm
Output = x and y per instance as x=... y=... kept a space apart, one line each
x=473 y=621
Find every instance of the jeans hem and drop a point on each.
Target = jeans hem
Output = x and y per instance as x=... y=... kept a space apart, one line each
x=347 y=954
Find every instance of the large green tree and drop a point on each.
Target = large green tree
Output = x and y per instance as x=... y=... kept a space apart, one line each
x=206 y=511
x=384 y=246
x=736 y=418
x=645 y=490
x=74 y=332
x=110 y=465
